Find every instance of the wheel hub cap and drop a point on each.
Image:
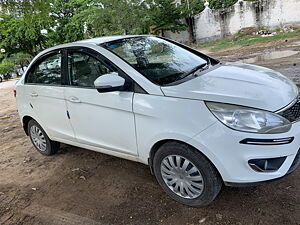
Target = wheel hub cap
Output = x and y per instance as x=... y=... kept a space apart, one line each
x=182 y=176
x=38 y=138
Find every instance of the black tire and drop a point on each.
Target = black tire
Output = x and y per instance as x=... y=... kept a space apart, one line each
x=1 y=79
x=212 y=182
x=51 y=147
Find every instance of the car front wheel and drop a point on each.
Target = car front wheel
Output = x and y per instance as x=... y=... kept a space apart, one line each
x=40 y=139
x=186 y=175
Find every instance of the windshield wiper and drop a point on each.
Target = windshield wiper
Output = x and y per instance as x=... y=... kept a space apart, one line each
x=195 y=69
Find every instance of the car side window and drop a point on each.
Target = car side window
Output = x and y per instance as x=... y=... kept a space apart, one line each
x=85 y=69
x=47 y=71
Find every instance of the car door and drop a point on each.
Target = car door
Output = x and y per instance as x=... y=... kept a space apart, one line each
x=45 y=93
x=103 y=120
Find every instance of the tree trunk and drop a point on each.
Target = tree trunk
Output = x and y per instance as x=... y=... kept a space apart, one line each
x=190 y=23
x=22 y=66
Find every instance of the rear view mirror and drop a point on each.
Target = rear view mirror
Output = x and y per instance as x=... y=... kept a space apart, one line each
x=109 y=82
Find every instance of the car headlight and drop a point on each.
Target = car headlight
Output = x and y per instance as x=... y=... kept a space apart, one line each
x=248 y=119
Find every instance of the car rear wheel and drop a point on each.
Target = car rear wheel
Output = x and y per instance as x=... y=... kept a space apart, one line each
x=186 y=175
x=40 y=139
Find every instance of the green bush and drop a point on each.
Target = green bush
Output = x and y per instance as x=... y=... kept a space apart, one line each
x=7 y=68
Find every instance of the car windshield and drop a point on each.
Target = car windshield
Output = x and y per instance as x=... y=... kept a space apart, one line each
x=160 y=61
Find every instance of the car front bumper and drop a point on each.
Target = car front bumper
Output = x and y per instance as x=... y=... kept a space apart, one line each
x=231 y=158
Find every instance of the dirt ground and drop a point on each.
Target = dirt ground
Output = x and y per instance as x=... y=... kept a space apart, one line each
x=77 y=186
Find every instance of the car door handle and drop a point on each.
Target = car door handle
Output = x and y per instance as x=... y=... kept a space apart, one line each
x=74 y=99
x=34 y=94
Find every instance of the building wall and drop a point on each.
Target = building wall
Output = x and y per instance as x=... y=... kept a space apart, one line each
x=213 y=24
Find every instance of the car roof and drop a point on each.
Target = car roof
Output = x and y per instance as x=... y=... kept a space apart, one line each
x=101 y=40
x=94 y=41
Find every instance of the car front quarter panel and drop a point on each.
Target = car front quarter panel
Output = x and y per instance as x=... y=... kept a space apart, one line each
x=165 y=118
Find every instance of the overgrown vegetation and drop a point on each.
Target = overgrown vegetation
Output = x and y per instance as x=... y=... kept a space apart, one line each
x=217 y=4
x=245 y=39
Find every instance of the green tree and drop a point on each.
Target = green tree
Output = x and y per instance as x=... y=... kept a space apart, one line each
x=113 y=17
x=21 y=25
x=165 y=15
x=21 y=35
x=67 y=21
x=21 y=59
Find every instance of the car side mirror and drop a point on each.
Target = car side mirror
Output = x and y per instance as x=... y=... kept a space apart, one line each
x=109 y=82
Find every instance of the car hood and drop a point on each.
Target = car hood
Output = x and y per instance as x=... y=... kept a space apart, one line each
x=240 y=84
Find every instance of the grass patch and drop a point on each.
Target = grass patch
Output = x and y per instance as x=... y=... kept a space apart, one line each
x=241 y=40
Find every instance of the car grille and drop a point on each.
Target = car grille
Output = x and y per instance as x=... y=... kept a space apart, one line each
x=293 y=112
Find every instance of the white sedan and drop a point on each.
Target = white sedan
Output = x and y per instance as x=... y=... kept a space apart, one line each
x=197 y=122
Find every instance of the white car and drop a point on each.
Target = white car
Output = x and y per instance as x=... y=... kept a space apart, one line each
x=1 y=78
x=197 y=122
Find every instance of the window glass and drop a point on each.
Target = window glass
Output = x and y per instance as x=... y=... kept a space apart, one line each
x=46 y=72
x=125 y=51
x=84 y=69
x=160 y=61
